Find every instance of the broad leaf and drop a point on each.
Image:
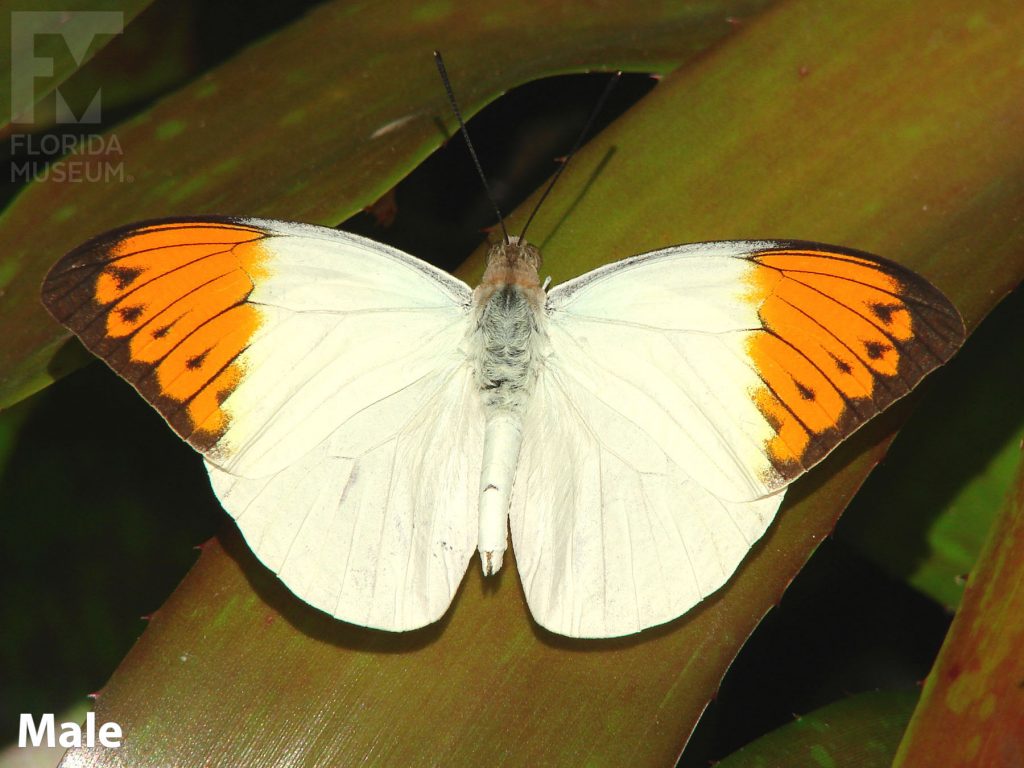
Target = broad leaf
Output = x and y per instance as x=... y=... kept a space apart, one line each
x=861 y=731
x=971 y=710
x=813 y=121
x=283 y=133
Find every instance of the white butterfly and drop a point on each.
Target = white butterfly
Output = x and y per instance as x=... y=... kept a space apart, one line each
x=370 y=421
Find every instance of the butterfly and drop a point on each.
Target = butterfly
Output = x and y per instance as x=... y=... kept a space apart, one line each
x=371 y=421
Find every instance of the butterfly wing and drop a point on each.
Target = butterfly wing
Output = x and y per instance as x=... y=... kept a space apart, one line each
x=377 y=532
x=320 y=374
x=681 y=392
x=611 y=536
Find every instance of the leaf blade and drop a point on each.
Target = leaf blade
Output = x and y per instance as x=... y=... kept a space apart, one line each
x=358 y=136
x=357 y=695
x=970 y=711
x=861 y=731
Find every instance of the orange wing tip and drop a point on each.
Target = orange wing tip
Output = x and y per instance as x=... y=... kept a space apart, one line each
x=844 y=334
x=164 y=304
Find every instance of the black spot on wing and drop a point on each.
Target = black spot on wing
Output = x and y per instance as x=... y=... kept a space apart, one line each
x=123 y=276
x=196 y=361
x=805 y=392
x=875 y=349
x=131 y=314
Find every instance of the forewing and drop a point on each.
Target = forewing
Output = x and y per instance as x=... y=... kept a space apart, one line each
x=747 y=362
x=256 y=339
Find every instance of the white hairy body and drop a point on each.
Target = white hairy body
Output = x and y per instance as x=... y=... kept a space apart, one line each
x=509 y=325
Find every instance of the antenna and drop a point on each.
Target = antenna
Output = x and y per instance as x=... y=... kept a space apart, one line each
x=465 y=134
x=579 y=142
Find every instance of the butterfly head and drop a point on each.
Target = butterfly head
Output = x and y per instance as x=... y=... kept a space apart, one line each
x=515 y=262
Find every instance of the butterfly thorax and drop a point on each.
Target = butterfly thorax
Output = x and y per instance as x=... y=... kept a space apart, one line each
x=508 y=307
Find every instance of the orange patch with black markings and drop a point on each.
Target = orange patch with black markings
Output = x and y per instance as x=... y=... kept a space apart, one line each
x=164 y=305
x=843 y=335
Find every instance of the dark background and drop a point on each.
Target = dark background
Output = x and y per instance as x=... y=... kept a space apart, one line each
x=94 y=486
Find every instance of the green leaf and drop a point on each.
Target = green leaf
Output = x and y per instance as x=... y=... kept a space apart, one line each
x=283 y=133
x=813 y=121
x=861 y=731
x=157 y=47
x=970 y=711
